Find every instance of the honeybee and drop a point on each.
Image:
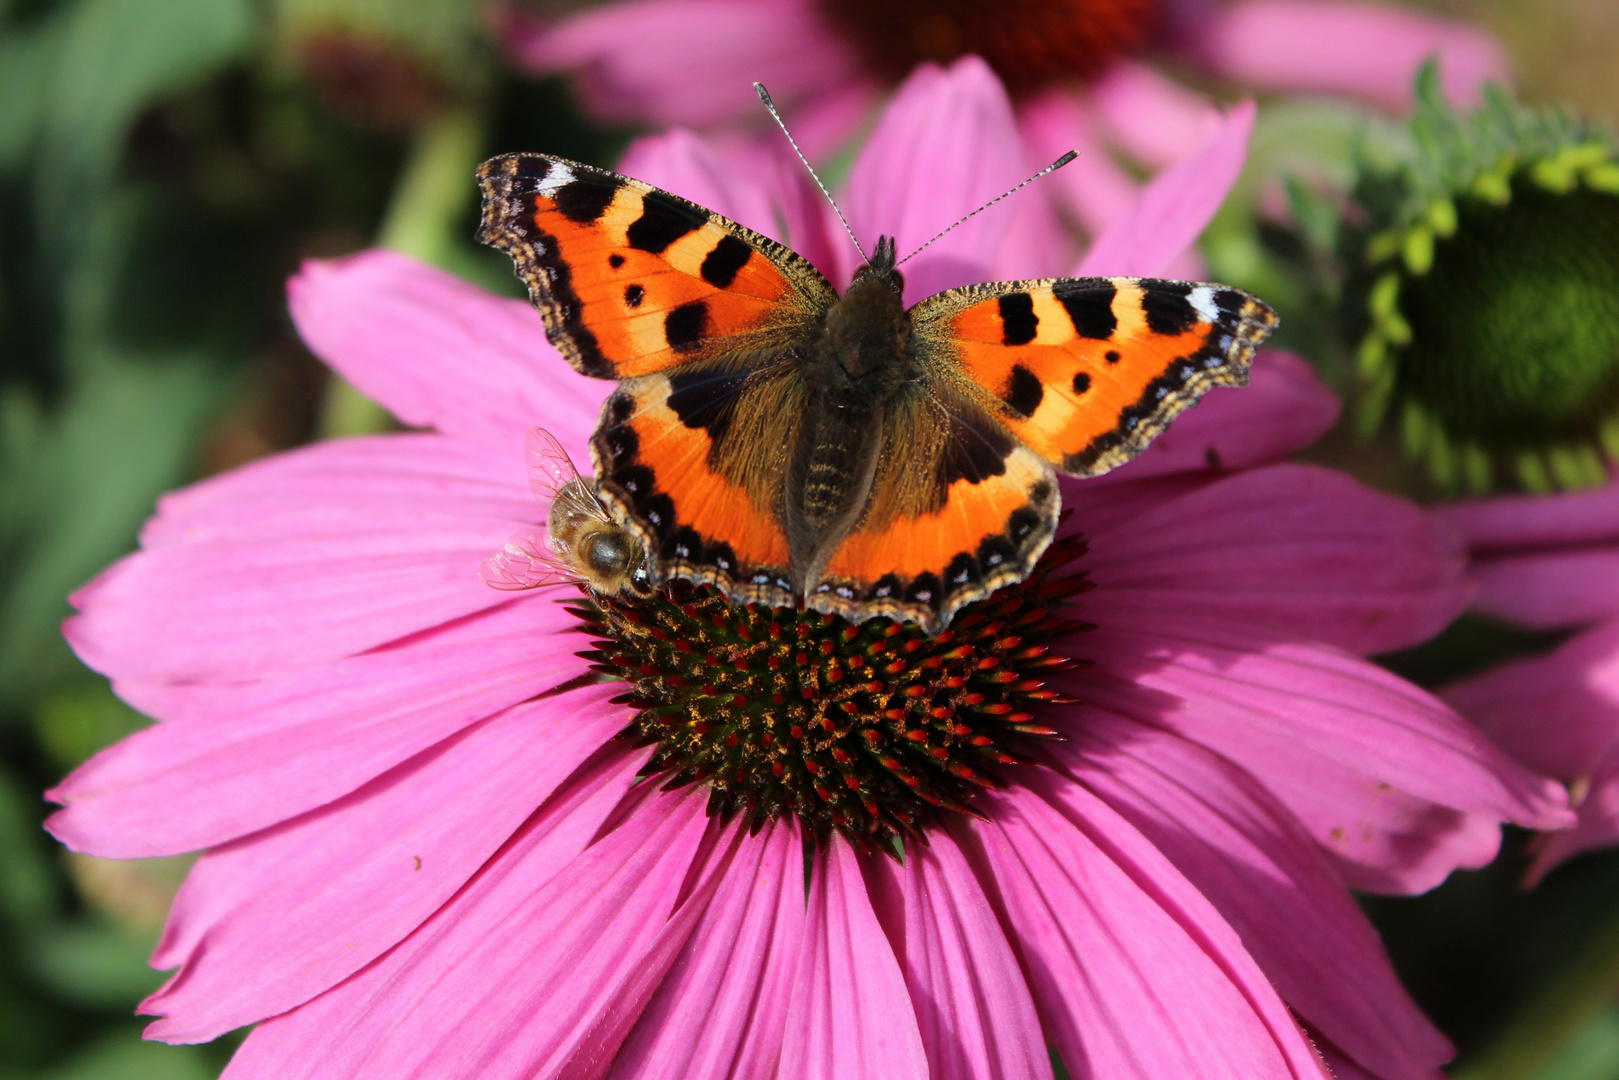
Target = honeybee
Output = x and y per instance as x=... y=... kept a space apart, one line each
x=579 y=543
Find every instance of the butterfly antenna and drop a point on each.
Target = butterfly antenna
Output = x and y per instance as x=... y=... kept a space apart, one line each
x=1053 y=167
x=764 y=96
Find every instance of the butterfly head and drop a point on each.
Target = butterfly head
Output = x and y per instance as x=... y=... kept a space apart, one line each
x=881 y=268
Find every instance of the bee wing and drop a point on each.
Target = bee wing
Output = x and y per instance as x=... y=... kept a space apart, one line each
x=526 y=561
x=549 y=467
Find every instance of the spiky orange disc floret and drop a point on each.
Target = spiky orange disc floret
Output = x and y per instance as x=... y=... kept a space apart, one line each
x=870 y=728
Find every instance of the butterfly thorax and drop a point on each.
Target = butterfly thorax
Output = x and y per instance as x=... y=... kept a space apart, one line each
x=861 y=360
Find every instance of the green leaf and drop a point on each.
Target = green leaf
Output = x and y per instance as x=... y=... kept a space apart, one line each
x=73 y=724
x=92 y=963
x=125 y=1056
x=116 y=56
x=26 y=886
x=125 y=435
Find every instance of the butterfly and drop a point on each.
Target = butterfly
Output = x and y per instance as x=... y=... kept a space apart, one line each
x=581 y=542
x=786 y=444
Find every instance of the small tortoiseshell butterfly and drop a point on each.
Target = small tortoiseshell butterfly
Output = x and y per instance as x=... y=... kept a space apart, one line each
x=781 y=442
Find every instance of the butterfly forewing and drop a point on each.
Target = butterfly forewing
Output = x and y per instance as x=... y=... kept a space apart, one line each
x=1087 y=371
x=632 y=280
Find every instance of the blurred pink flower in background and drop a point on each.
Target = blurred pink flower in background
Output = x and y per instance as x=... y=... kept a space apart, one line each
x=1074 y=67
x=428 y=856
x=1552 y=563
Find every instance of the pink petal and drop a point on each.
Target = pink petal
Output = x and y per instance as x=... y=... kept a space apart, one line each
x=946 y=144
x=1507 y=523
x=691 y=62
x=1154 y=119
x=1174 y=209
x=1381 y=774
x=1360 y=50
x=722 y=1010
x=1252 y=860
x=1598 y=826
x=238 y=758
x=1285 y=407
x=535 y=969
x=310 y=902
x=973 y=1007
x=440 y=353
x=1543 y=561
x=850 y=1015
x=305 y=557
x=1093 y=188
x=1301 y=551
x=1559 y=713
x=1549 y=590
x=1136 y=975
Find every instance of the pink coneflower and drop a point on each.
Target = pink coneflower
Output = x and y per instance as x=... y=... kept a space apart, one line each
x=1077 y=68
x=430 y=855
x=1551 y=563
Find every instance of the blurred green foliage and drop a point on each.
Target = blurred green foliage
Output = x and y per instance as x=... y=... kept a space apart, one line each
x=165 y=164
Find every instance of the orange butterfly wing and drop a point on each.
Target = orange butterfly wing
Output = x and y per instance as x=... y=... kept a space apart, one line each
x=1086 y=372
x=631 y=280
x=958 y=509
x=691 y=311
x=691 y=462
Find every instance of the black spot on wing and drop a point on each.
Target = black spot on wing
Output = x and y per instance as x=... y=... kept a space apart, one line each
x=633 y=295
x=1112 y=356
x=706 y=399
x=663 y=220
x=975 y=449
x=1018 y=320
x=1082 y=382
x=615 y=260
x=721 y=265
x=1023 y=392
x=1024 y=524
x=995 y=552
x=925 y=589
x=1167 y=308
x=686 y=326
x=962 y=572
x=585 y=200
x=531 y=167
x=886 y=588
x=1229 y=301
x=1090 y=308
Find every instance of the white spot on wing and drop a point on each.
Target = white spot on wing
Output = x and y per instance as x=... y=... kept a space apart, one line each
x=559 y=176
x=1202 y=301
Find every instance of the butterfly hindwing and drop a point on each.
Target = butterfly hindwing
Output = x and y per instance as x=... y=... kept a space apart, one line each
x=958 y=508
x=631 y=280
x=1087 y=371
x=690 y=459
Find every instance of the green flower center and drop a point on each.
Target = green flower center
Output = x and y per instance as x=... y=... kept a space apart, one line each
x=869 y=728
x=1515 y=328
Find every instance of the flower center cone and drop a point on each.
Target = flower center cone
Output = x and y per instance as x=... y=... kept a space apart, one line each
x=871 y=728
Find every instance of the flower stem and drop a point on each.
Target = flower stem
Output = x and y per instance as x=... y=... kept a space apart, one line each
x=422 y=219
